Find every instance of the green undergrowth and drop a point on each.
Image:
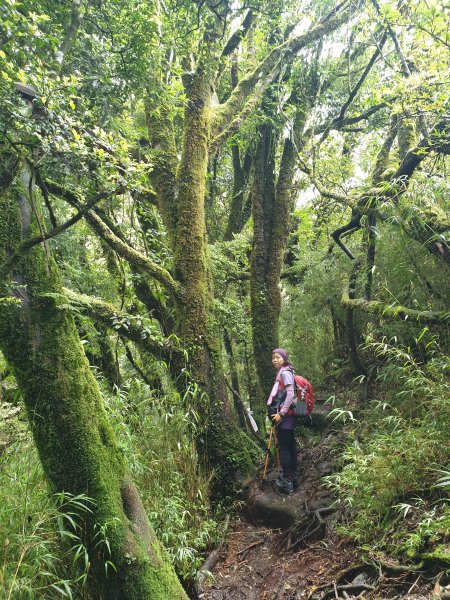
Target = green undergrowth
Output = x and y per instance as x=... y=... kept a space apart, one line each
x=41 y=555
x=395 y=481
x=157 y=433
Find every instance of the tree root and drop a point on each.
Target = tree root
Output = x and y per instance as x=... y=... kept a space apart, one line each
x=337 y=589
x=245 y=550
x=308 y=526
x=341 y=575
x=396 y=568
x=347 y=580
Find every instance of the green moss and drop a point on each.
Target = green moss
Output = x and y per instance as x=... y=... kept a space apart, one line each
x=70 y=427
x=441 y=553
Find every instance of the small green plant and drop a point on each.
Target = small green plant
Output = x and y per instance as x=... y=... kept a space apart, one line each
x=40 y=548
x=340 y=414
x=157 y=433
x=444 y=479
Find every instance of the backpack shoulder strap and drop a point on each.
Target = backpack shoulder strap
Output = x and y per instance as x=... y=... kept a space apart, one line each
x=280 y=379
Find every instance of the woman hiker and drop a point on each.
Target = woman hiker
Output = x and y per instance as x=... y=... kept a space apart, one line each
x=279 y=401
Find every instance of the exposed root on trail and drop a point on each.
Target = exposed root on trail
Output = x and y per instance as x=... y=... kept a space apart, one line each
x=313 y=525
x=373 y=582
x=211 y=561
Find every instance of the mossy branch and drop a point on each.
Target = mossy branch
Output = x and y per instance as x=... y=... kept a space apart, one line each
x=28 y=244
x=75 y=18
x=164 y=161
x=389 y=311
x=238 y=35
x=139 y=261
x=346 y=122
x=135 y=329
x=325 y=192
x=438 y=141
x=248 y=92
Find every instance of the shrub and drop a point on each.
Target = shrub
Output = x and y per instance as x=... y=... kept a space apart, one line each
x=157 y=432
x=397 y=449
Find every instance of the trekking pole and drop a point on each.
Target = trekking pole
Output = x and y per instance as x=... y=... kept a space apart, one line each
x=277 y=449
x=267 y=454
x=273 y=436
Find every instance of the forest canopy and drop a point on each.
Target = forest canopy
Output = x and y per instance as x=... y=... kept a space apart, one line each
x=186 y=185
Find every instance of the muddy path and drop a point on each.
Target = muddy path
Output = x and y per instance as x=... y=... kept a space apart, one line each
x=286 y=546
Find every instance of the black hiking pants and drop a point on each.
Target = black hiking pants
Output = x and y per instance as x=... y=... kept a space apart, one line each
x=288 y=452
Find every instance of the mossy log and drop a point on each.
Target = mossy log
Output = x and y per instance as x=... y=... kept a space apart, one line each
x=75 y=441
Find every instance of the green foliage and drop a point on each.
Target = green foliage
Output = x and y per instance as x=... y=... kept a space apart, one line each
x=86 y=128
x=423 y=530
x=157 y=435
x=41 y=553
x=392 y=461
x=12 y=427
x=314 y=342
x=40 y=547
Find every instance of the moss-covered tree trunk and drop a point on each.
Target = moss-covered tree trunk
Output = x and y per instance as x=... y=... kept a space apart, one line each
x=265 y=298
x=190 y=260
x=69 y=424
x=225 y=447
x=271 y=208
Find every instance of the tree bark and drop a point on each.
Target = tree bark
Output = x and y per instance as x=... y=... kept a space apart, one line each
x=352 y=333
x=224 y=446
x=76 y=444
x=237 y=217
x=271 y=209
x=265 y=298
x=241 y=173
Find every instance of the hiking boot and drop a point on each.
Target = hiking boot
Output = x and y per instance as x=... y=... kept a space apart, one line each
x=284 y=485
x=295 y=481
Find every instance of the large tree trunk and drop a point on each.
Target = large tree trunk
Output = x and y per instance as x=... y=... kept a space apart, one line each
x=67 y=418
x=227 y=449
x=271 y=206
x=265 y=297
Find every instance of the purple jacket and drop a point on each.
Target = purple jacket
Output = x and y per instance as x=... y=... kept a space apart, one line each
x=287 y=378
x=288 y=421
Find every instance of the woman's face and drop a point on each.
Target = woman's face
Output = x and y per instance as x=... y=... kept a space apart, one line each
x=277 y=360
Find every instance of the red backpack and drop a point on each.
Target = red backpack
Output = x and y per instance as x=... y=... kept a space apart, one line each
x=303 y=402
x=304 y=397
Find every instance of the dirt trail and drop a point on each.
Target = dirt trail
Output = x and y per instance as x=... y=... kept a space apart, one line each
x=284 y=547
x=255 y=566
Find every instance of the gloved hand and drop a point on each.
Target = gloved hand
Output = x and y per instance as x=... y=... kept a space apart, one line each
x=276 y=418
